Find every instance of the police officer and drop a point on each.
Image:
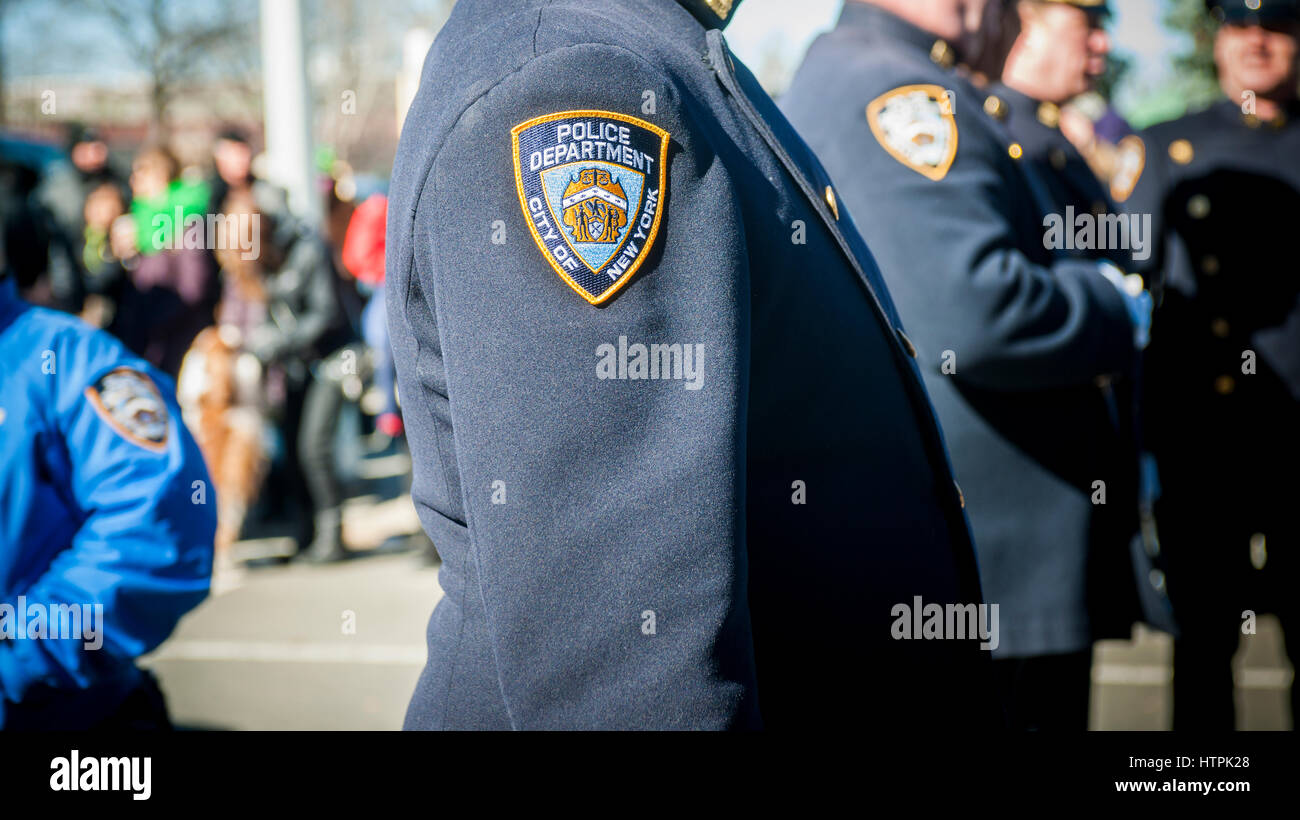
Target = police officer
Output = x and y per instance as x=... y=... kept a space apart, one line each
x=106 y=520
x=668 y=432
x=1223 y=370
x=1017 y=342
x=1057 y=49
x=1060 y=47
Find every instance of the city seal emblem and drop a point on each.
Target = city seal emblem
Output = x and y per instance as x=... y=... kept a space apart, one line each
x=592 y=186
x=132 y=406
x=916 y=126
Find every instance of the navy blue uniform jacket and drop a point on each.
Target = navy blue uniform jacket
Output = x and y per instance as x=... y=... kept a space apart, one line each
x=657 y=553
x=1223 y=370
x=1016 y=341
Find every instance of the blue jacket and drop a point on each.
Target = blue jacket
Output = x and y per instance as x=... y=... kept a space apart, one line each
x=1017 y=343
x=630 y=551
x=104 y=500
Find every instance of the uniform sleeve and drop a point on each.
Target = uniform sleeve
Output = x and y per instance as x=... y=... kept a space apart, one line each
x=605 y=510
x=144 y=550
x=953 y=258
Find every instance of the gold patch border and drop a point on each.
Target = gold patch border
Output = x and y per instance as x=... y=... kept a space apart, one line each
x=873 y=113
x=651 y=235
x=91 y=393
x=1122 y=194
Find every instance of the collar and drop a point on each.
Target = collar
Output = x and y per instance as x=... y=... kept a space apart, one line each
x=712 y=13
x=1289 y=113
x=877 y=21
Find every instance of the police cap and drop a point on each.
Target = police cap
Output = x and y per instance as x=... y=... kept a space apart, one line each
x=1254 y=11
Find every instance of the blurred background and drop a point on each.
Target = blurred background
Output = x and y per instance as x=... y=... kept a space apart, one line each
x=114 y=112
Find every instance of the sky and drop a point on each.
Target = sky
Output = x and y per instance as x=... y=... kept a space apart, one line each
x=761 y=29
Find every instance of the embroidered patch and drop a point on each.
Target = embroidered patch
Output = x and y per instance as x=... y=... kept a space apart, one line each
x=1130 y=161
x=915 y=124
x=128 y=400
x=592 y=185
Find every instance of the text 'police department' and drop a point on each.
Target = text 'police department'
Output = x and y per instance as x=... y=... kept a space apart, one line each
x=591 y=140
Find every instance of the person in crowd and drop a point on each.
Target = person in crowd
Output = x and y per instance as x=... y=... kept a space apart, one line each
x=105 y=271
x=63 y=193
x=232 y=161
x=363 y=256
x=309 y=342
x=171 y=287
x=222 y=388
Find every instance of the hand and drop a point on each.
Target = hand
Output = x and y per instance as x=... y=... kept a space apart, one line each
x=1136 y=298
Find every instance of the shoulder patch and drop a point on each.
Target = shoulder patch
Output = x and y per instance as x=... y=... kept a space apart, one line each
x=915 y=124
x=592 y=185
x=1130 y=162
x=130 y=403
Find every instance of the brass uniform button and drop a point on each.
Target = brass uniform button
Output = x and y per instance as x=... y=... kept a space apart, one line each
x=1251 y=120
x=907 y=343
x=995 y=107
x=942 y=54
x=831 y=203
x=1181 y=152
x=1224 y=385
x=1198 y=207
x=1049 y=114
x=1210 y=265
x=1219 y=327
x=1016 y=151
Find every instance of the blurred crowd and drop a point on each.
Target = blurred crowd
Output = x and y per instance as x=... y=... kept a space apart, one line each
x=270 y=326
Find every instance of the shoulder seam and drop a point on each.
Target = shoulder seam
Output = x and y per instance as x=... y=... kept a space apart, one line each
x=433 y=158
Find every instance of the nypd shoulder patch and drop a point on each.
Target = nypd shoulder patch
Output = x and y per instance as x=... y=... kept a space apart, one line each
x=592 y=185
x=915 y=124
x=1130 y=161
x=130 y=403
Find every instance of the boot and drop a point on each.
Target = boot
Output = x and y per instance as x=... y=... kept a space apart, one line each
x=327 y=546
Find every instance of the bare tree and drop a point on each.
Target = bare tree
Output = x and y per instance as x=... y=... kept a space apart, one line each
x=176 y=42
